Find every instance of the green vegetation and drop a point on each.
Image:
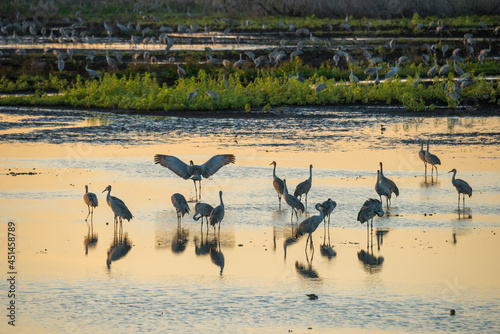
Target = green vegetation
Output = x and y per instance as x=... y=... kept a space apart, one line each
x=268 y=89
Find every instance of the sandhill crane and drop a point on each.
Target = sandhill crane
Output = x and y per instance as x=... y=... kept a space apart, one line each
x=60 y=65
x=458 y=70
x=443 y=70
x=382 y=189
x=217 y=213
x=181 y=206
x=328 y=206
x=92 y=73
x=181 y=71
x=377 y=80
x=320 y=87
x=239 y=63
x=432 y=159
x=111 y=62
x=421 y=155
x=353 y=78
x=277 y=184
x=213 y=95
x=118 y=207
x=202 y=210
x=310 y=225
x=432 y=71
x=293 y=201
x=392 y=186
x=91 y=200
x=461 y=186
x=370 y=209
x=195 y=172
x=304 y=186
x=192 y=95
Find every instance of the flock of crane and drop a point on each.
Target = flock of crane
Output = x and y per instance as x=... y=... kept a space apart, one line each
x=214 y=216
x=76 y=34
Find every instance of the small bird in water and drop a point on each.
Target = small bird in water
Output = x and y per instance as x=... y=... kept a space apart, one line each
x=312 y=296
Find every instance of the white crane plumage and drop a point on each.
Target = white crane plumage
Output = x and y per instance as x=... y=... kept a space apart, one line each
x=461 y=186
x=195 y=172
x=91 y=200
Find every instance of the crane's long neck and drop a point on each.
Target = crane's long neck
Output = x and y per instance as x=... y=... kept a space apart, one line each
x=421 y=146
x=285 y=189
x=274 y=171
x=221 y=202
x=86 y=189
x=378 y=176
x=310 y=173
x=427 y=146
x=381 y=171
x=453 y=178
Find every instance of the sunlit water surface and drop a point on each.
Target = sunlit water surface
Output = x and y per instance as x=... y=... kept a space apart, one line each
x=423 y=258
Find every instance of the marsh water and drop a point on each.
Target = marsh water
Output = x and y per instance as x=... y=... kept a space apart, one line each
x=423 y=258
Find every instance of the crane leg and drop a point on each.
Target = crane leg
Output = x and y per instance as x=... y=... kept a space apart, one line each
x=88 y=207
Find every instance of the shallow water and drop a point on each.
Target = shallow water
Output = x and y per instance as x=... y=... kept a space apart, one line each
x=423 y=258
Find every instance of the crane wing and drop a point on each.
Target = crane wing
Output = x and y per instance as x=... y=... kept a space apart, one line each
x=215 y=163
x=174 y=164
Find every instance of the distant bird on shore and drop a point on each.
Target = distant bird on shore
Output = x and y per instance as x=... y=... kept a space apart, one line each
x=278 y=184
x=304 y=186
x=461 y=186
x=195 y=172
x=91 y=200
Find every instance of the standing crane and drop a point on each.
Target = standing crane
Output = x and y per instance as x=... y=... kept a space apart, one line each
x=118 y=207
x=304 y=186
x=202 y=210
x=382 y=189
x=217 y=214
x=421 y=155
x=392 y=186
x=370 y=209
x=293 y=201
x=461 y=186
x=195 y=172
x=310 y=225
x=91 y=200
x=432 y=159
x=181 y=206
x=277 y=184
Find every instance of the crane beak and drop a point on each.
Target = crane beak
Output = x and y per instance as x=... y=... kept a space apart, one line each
x=450 y=171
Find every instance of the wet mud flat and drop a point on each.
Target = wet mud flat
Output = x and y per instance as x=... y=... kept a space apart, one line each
x=422 y=259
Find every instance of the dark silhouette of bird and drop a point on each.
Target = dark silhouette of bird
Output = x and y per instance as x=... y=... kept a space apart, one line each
x=195 y=172
x=461 y=186
x=310 y=225
x=392 y=186
x=328 y=206
x=91 y=200
x=202 y=210
x=370 y=209
x=432 y=159
x=278 y=184
x=304 y=186
x=382 y=189
x=293 y=202
x=217 y=214
x=312 y=296
x=118 y=207
x=180 y=204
